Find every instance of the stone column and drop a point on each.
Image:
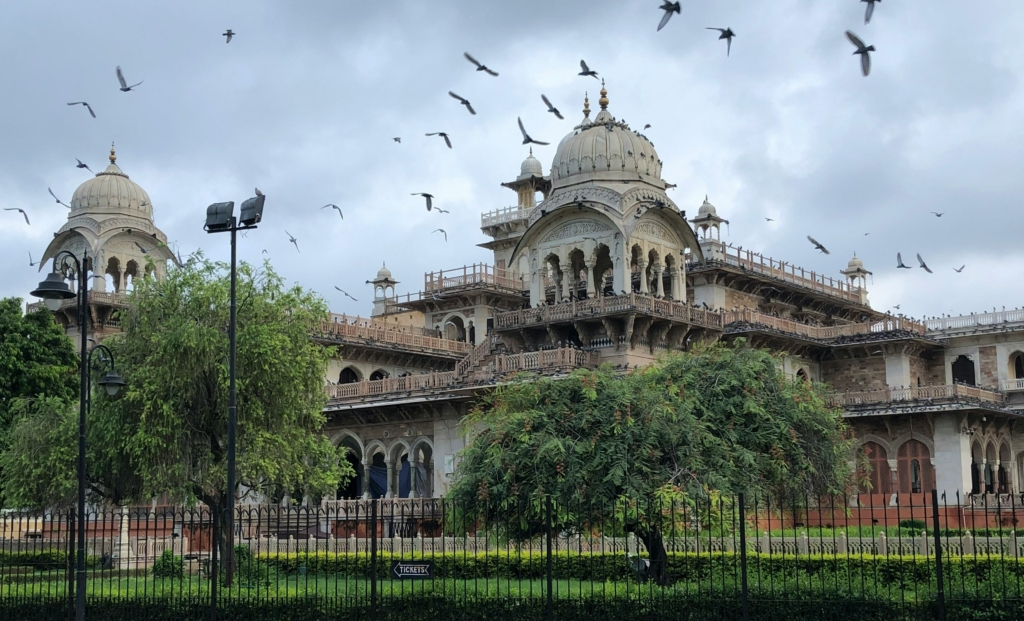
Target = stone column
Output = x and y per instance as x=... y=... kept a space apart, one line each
x=592 y=278
x=366 y=480
x=566 y=285
x=391 y=475
x=642 y=264
x=895 y=483
x=414 y=474
x=659 y=270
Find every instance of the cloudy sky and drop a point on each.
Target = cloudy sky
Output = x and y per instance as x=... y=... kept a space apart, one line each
x=304 y=102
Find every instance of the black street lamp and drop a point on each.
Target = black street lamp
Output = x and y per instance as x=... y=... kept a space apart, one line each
x=53 y=291
x=220 y=218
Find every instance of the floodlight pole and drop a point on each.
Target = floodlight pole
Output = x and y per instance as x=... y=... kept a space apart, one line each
x=83 y=327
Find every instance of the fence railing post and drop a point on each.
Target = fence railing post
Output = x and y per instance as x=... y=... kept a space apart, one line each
x=940 y=595
x=71 y=564
x=373 y=559
x=214 y=518
x=550 y=602
x=743 y=558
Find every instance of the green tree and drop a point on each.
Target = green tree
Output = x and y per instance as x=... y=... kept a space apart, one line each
x=166 y=432
x=630 y=450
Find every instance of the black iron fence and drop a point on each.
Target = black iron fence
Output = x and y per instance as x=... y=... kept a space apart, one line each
x=905 y=556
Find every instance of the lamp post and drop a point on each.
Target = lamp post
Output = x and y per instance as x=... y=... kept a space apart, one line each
x=54 y=290
x=220 y=218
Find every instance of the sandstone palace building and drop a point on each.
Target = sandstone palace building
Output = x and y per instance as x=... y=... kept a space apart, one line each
x=596 y=264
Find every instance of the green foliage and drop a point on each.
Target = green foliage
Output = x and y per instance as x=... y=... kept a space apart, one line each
x=42 y=560
x=41 y=456
x=168 y=565
x=720 y=419
x=252 y=571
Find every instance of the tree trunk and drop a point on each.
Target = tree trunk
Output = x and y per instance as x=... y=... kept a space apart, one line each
x=655 y=544
x=221 y=541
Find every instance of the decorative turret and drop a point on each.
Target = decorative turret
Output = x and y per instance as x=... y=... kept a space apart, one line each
x=857 y=277
x=383 y=290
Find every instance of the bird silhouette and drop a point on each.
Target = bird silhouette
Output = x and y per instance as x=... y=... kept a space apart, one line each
x=397 y=139
x=81 y=165
x=897 y=307
x=870 y=10
x=863 y=50
x=346 y=293
x=923 y=264
x=439 y=210
x=82 y=103
x=429 y=197
x=258 y=193
x=442 y=231
x=937 y=214
x=124 y=85
x=648 y=126
x=526 y=137
x=669 y=8
x=32 y=263
x=59 y=202
x=586 y=70
x=551 y=109
x=727 y=34
x=338 y=209
x=293 y=240
x=140 y=247
x=443 y=135
x=463 y=101
x=817 y=246
x=22 y=213
x=480 y=67
x=229 y=33
x=769 y=220
x=960 y=269
x=899 y=263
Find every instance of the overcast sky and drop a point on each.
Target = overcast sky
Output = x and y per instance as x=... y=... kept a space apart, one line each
x=303 y=103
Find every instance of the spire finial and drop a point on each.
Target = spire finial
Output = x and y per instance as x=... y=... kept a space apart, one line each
x=705 y=198
x=604 y=96
x=531 y=151
x=113 y=154
x=586 y=105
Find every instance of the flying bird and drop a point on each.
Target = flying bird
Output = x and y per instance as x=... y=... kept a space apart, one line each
x=139 y=246
x=863 y=50
x=769 y=220
x=443 y=135
x=346 y=293
x=397 y=139
x=332 y=205
x=429 y=197
x=258 y=193
x=82 y=103
x=230 y=33
x=32 y=263
x=81 y=165
x=870 y=10
x=923 y=264
x=937 y=214
x=959 y=270
x=648 y=126
x=124 y=85
x=293 y=240
x=669 y=8
x=480 y=67
x=442 y=231
x=526 y=137
x=727 y=34
x=817 y=246
x=463 y=101
x=22 y=213
x=899 y=263
x=586 y=70
x=553 y=110
x=59 y=202
x=897 y=307
x=439 y=210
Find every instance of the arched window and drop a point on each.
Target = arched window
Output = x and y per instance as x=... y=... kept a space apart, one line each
x=348 y=376
x=379 y=374
x=914 y=468
x=1017 y=362
x=963 y=371
x=802 y=376
x=875 y=476
x=354 y=487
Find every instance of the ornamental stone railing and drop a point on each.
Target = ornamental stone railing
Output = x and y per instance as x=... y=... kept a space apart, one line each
x=609 y=305
x=405 y=336
x=922 y=393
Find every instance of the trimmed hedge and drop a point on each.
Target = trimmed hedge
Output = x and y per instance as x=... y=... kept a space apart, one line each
x=42 y=560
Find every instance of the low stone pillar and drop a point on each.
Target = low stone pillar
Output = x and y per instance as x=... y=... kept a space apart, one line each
x=842 y=547
x=802 y=545
x=882 y=545
x=766 y=543
x=968 y=544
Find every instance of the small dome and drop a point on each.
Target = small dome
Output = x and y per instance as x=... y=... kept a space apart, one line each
x=855 y=263
x=707 y=209
x=531 y=166
x=111 y=191
x=384 y=274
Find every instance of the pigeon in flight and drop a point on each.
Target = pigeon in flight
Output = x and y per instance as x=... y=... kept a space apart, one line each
x=648 y=126
x=82 y=103
x=442 y=231
x=397 y=139
x=959 y=270
x=526 y=137
x=258 y=193
x=59 y=202
x=443 y=135
x=332 y=205
x=817 y=246
x=139 y=246
x=727 y=34
x=463 y=101
x=32 y=263
x=346 y=293
x=479 y=67
x=293 y=240
x=81 y=165
x=553 y=110
x=863 y=50
x=897 y=307
x=124 y=85
x=429 y=197
x=22 y=213
x=669 y=8
x=439 y=210
x=870 y=10
x=937 y=214
x=230 y=33
x=923 y=264
x=586 y=70
x=769 y=220
x=899 y=263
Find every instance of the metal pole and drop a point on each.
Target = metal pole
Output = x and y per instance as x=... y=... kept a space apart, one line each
x=940 y=594
x=373 y=558
x=229 y=560
x=83 y=327
x=743 y=558
x=550 y=602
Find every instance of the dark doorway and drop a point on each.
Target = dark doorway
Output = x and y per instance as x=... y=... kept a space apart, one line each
x=963 y=371
x=350 y=491
x=348 y=376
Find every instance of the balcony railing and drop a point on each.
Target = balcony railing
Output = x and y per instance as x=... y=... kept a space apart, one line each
x=503 y=215
x=1012 y=385
x=976 y=320
x=923 y=393
x=342 y=327
x=821 y=332
x=630 y=302
x=95 y=297
x=786 y=272
x=552 y=358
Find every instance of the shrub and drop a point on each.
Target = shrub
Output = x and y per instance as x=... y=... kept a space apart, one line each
x=169 y=566
x=250 y=571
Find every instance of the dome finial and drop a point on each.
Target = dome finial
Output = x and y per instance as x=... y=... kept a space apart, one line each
x=113 y=154
x=586 y=105
x=604 y=97
x=531 y=151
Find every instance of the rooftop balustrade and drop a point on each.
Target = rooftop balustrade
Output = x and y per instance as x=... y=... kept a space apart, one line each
x=945 y=392
x=369 y=331
x=822 y=333
x=991 y=321
x=503 y=215
x=609 y=305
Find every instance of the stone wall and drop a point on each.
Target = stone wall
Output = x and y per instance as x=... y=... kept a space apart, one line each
x=929 y=371
x=854 y=374
x=988 y=367
x=738 y=299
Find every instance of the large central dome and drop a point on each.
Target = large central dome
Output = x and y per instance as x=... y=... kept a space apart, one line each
x=109 y=192
x=604 y=150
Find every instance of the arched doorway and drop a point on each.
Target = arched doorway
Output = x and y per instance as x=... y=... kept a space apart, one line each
x=914 y=468
x=379 y=374
x=875 y=476
x=801 y=375
x=1017 y=365
x=348 y=375
x=976 y=476
x=353 y=489
x=422 y=469
x=963 y=371
x=1003 y=474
